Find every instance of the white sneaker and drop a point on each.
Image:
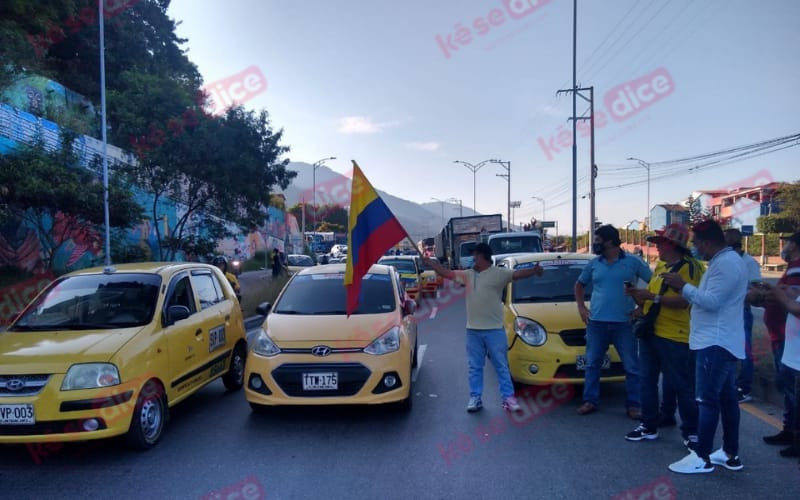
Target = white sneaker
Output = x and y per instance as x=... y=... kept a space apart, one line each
x=719 y=457
x=510 y=404
x=691 y=464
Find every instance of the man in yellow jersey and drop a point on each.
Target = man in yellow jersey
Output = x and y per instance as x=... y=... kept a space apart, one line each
x=667 y=352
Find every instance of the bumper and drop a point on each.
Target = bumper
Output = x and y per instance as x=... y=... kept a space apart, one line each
x=73 y=415
x=361 y=379
x=555 y=362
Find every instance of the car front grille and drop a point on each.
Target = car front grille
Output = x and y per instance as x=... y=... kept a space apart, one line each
x=570 y=371
x=22 y=385
x=351 y=378
x=575 y=338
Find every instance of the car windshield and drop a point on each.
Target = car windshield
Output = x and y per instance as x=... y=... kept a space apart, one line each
x=402 y=265
x=96 y=301
x=515 y=244
x=325 y=294
x=300 y=260
x=468 y=248
x=555 y=285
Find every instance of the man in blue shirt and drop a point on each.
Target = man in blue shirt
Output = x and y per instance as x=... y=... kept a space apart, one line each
x=716 y=335
x=609 y=321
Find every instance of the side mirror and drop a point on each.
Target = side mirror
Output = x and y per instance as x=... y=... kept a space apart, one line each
x=177 y=313
x=263 y=308
x=409 y=307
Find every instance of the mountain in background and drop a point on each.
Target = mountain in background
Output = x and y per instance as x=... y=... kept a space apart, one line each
x=420 y=220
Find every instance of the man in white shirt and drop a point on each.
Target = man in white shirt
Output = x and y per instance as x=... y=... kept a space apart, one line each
x=716 y=334
x=744 y=382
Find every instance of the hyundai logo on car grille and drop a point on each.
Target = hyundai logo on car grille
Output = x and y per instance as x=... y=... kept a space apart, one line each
x=15 y=384
x=320 y=350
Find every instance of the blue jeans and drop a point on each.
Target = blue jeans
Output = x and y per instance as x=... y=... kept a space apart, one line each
x=493 y=342
x=669 y=394
x=745 y=379
x=715 y=377
x=784 y=382
x=674 y=360
x=599 y=335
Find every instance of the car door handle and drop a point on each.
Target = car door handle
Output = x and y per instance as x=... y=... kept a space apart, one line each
x=198 y=332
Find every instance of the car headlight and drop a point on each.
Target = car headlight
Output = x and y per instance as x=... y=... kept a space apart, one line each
x=386 y=343
x=264 y=345
x=531 y=332
x=90 y=376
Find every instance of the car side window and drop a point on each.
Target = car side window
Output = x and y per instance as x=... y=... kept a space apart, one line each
x=401 y=289
x=207 y=292
x=181 y=295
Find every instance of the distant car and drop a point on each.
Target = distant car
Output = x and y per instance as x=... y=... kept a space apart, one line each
x=308 y=352
x=410 y=269
x=103 y=353
x=431 y=281
x=298 y=262
x=546 y=336
x=339 y=251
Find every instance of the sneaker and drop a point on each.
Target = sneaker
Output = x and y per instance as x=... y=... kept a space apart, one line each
x=743 y=397
x=784 y=437
x=690 y=441
x=474 y=404
x=640 y=433
x=586 y=408
x=510 y=404
x=691 y=464
x=790 y=452
x=719 y=457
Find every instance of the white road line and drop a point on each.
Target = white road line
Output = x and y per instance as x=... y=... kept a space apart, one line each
x=420 y=356
x=433 y=312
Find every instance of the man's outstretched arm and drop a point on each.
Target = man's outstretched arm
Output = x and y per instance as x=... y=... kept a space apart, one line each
x=531 y=271
x=440 y=269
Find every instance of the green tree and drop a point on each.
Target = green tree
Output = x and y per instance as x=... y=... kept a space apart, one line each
x=37 y=187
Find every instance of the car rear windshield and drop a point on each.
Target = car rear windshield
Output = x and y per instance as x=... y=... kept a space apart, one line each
x=555 y=285
x=97 y=301
x=514 y=244
x=402 y=265
x=325 y=294
x=300 y=260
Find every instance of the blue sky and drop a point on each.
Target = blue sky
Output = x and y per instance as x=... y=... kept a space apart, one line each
x=368 y=80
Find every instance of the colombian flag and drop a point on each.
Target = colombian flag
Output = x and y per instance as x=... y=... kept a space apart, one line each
x=372 y=229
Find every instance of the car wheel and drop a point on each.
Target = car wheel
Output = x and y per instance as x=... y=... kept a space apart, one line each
x=234 y=378
x=149 y=417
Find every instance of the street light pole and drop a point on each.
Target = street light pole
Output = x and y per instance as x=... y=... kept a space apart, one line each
x=646 y=165
x=460 y=205
x=474 y=169
x=316 y=165
x=441 y=202
x=544 y=210
x=506 y=165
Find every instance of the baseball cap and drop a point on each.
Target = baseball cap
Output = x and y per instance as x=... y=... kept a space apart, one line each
x=676 y=233
x=795 y=238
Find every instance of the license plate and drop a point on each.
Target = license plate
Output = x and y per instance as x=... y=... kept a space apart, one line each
x=17 y=414
x=320 y=381
x=580 y=363
x=216 y=338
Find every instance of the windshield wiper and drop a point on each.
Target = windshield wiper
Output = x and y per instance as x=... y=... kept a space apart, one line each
x=288 y=311
x=335 y=311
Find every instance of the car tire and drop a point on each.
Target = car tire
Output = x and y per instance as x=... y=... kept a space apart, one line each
x=234 y=377
x=149 y=417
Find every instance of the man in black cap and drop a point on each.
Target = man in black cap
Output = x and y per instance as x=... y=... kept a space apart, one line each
x=485 y=334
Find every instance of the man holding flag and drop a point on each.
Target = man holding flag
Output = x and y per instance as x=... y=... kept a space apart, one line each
x=485 y=334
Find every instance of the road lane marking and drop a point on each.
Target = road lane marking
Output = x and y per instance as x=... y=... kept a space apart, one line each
x=420 y=356
x=433 y=312
x=761 y=415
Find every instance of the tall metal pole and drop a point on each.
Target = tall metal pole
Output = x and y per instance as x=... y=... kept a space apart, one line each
x=506 y=165
x=645 y=165
x=593 y=166
x=315 y=166
x=574 y=127
x=474 y=169
x=106 y=217
x=544 y=208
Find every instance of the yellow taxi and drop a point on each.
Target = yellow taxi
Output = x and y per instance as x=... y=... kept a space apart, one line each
x=101 y=353
x=431 y=282
x=546 y=336
x=410 y=269
x=308 y=352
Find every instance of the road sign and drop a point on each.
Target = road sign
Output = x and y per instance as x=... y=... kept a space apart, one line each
x=548 y=223
x=747 y=230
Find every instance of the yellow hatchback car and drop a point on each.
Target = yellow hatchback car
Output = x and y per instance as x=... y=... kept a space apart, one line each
x=546 y=336
x=308 y=352
x=99 y=354
x=410 y=269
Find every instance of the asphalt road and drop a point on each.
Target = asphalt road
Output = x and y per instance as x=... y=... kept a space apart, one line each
x=215 y=446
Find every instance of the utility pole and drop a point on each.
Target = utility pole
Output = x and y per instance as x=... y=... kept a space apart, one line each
x=574 y=91
x=315 y=166
x=506 y=165
x=645 y=165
